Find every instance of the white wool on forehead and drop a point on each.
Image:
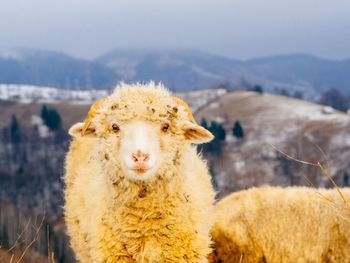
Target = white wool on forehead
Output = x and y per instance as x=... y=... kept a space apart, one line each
x=152 y=102
x=149 y=85
x=150 y=94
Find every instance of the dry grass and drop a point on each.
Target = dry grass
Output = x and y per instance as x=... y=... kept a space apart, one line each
x=324 y=170
x=36 y=237
x=17 y=255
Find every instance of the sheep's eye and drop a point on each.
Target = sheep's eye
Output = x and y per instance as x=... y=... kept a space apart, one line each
x=115 y=127
x=165 y=127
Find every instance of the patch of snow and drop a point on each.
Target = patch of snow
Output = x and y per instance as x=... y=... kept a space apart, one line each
x=328 y=110
x=239 y=165
x=314 y=113
x=214 y=105
x=200 y=98
x=36 y=120
x=43 y=130
x=219 y=120
x=341 y=139
x=230 y=138
x=29 y=94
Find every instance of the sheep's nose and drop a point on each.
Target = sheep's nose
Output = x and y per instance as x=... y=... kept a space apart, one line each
x=140 y=157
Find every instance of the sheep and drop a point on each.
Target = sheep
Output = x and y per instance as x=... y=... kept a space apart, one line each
x=274 y=224
x=135 y=188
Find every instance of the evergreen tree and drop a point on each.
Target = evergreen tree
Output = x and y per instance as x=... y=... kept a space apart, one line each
x=15 y=130
x=43 y=113
x=215 y=146
x=298 y=95
x=204 y=123
x=51 y=118
x=237 y=130
x=6 y=137
x=213 y=176
x=335 y=99
x=218 y=130
x=258 y=89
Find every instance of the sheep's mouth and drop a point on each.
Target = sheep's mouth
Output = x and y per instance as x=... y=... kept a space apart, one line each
x=140 y=170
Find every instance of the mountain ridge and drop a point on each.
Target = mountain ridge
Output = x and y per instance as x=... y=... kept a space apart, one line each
x=180 y=69
x=51 y=68
x=304 y=70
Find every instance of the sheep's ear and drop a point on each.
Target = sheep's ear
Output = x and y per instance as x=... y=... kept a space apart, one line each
x=84 y=129
x=79 y=130
x=196 y=134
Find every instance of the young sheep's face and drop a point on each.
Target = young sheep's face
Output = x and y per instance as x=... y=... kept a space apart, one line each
x=140 y=140
x=139 y=149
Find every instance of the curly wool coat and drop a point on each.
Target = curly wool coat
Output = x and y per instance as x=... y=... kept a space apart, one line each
x=283 y=225
x=113 y=219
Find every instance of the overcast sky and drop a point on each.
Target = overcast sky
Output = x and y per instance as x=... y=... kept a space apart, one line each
x=235 y=28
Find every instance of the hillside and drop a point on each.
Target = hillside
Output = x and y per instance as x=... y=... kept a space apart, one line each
x=31 y=170
x=70 y=113
x=291 y=125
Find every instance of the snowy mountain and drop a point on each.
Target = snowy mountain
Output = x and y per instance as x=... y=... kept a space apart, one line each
x=303 y=70
x=180 y=70
x=183 y=70
x=46 y=68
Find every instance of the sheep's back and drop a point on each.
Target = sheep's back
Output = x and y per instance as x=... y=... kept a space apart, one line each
x=273 y=224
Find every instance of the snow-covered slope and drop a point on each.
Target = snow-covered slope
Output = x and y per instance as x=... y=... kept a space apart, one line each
x=299 y=128
x=29 y=93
